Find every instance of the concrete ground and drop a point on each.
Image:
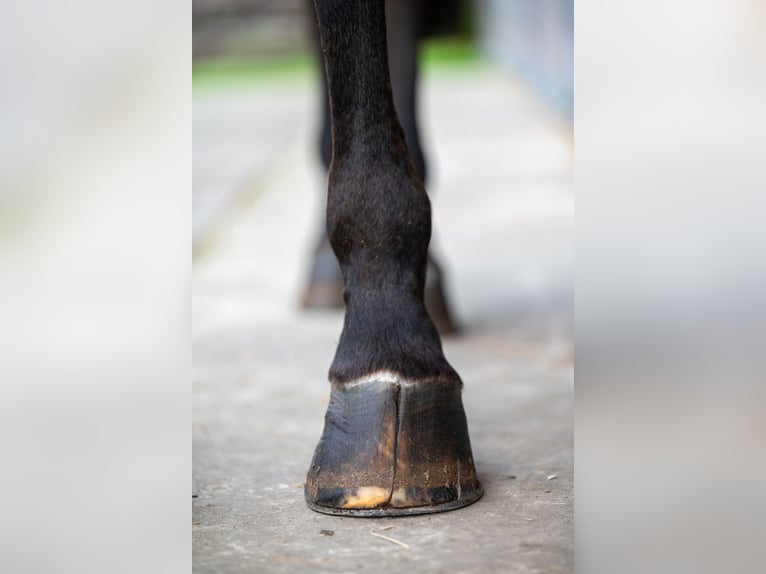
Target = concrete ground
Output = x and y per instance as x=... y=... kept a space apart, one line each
x=503 y=209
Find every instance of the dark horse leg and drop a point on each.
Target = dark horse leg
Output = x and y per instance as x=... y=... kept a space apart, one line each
x=395 y=439
x=404 y=21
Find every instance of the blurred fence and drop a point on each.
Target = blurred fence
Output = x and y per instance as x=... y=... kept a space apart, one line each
x=535 y=40
x=249 y=28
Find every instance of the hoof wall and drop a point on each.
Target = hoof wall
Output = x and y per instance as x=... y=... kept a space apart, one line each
x=392 y=447
x=430 y=508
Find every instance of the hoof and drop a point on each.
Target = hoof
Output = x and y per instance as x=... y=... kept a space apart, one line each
x=323 y=295
x=436 y=300
x=325 y=289
x=325 y=286
x=393 y=447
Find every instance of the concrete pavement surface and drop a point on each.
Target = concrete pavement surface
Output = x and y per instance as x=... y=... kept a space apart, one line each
x=503 y=210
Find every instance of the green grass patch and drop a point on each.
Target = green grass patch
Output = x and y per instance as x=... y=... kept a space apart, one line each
x=437 y=53
x=449 y=52
x=233 y=72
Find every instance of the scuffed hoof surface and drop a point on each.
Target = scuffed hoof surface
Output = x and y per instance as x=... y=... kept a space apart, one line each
x=393 y=447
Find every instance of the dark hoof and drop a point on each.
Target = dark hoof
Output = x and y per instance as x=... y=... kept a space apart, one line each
x=393 y=447
x=436 y=301
x=319 y=295
x=325 y=289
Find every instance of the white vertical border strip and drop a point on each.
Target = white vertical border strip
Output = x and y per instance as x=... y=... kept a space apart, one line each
x=669 y=314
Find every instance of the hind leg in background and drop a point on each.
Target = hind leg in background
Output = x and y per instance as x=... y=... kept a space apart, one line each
x=395 y=439
x=325 y=283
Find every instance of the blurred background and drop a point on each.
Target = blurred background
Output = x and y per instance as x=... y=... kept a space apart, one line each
x=495 y=105
x=96 y=277
x=532 y=39
x=246 y=44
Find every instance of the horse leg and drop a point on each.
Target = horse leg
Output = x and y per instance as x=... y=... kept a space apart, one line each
x=403 y=19
x=395 y=439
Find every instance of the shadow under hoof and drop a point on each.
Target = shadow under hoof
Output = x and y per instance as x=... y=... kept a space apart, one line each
x=393 y=447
